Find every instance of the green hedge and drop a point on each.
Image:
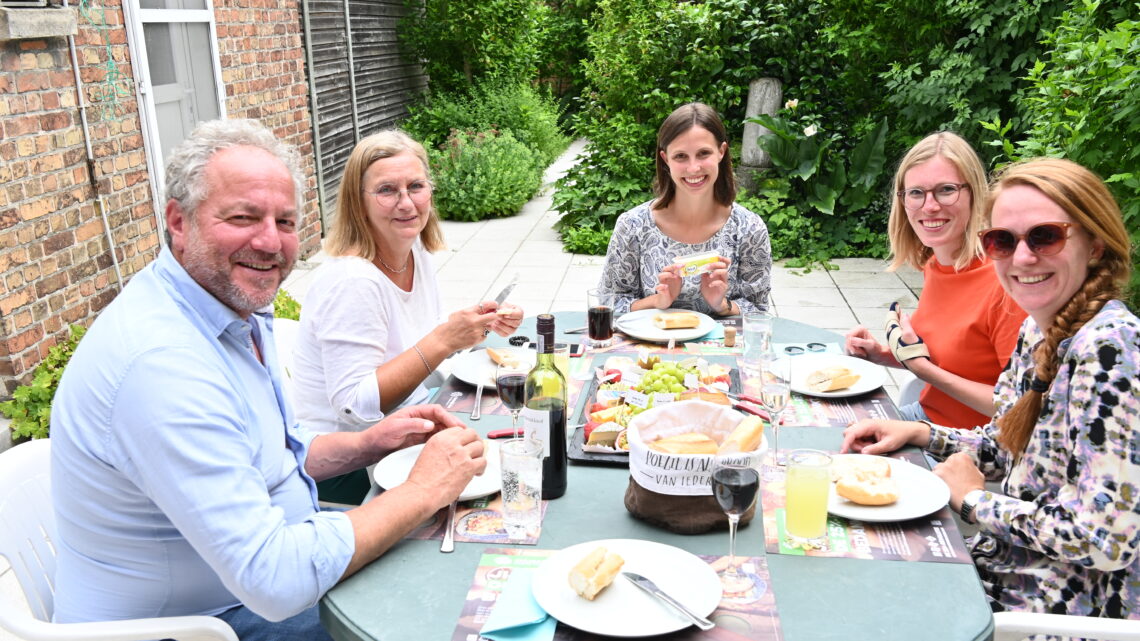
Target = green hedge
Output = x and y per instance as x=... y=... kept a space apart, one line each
x=481 y=175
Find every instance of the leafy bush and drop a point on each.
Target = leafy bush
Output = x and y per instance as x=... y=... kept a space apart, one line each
x=650 y=56
x=806 y=239
x=462 y=42
x=1084 y=104
x=529 y=114
x=810 y=156
x=484 y=175
x=285 y=306
x=30 y=407
x=586 y=240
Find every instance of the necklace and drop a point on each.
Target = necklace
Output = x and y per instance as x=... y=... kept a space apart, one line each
x=393 y=269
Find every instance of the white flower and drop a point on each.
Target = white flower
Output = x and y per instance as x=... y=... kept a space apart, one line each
x=810 y=131
x=792 y=104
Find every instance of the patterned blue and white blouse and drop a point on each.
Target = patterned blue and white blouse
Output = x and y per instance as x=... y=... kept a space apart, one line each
x=638 y=251
x=1063 y=535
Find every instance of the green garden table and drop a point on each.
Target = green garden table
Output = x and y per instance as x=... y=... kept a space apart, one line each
x=415 y=593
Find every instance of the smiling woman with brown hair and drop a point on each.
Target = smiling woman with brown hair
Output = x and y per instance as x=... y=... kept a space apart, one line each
x=694 y=212
x=1063 y=534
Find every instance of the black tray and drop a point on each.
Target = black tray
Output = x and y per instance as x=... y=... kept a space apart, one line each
x=575 y=452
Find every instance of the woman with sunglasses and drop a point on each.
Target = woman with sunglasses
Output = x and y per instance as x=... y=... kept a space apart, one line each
x=694 y=212
x=1063 y=533
x=372 y=330
x=961 y=335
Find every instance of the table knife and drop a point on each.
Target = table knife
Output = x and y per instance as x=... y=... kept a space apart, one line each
x=651 y=588
x=502 y=297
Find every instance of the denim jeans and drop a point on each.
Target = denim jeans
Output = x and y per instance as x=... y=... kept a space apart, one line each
x=305 y=626
x=912 y=412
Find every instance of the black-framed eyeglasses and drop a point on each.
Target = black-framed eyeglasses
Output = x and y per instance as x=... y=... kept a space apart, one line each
x=944 y=193
x=389 y=194
x=1045 y=239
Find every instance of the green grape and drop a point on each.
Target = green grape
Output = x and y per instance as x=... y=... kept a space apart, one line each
x=677 y=388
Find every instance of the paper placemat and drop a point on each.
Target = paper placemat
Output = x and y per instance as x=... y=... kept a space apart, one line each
x=749 y=615
x=934 y=538
x=476 y=521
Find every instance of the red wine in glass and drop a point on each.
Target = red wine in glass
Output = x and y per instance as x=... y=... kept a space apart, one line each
x=735 y=488
x=511 y=388
x=600 y=320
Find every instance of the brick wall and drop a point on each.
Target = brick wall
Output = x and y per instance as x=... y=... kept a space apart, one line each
x=55 y=265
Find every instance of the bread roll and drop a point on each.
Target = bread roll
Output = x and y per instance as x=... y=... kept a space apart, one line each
x=831 y=379
x=862 y=467
x=676 y=320
x=865 y=480
x=595 y=572
x=746 y=437
x=873 y=491
x=687 y=443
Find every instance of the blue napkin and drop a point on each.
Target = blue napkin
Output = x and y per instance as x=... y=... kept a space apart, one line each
x=516 y=615
x=714 y=334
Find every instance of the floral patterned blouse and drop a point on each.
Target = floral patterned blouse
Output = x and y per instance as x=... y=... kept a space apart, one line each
x=1063 y=535
x=638 y=251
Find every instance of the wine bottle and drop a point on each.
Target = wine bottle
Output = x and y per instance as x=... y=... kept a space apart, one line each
x=544 y=416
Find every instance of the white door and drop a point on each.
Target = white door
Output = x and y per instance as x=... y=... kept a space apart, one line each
x=179 y=78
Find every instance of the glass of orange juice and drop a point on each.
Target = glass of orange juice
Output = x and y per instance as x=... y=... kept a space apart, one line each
x=806 y=486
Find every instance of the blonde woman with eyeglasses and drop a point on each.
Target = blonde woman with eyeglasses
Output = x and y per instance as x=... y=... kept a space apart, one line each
x=372 y=328
x=965 y=327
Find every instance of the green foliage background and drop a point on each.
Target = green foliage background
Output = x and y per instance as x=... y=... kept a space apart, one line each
x=30 y=407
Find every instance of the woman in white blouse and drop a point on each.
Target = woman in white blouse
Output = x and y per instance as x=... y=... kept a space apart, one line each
x=372 y=328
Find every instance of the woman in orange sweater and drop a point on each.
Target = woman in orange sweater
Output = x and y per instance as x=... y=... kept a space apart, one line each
x=965 y=328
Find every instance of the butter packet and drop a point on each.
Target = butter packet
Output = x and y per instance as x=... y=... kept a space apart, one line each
x=694 y=264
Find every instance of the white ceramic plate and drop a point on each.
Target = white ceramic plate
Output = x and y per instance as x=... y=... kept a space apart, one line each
x=871 y=376
x=622 y=609
x=393 y=470
x=476 y=366
x=640 y=325
x=921 y=492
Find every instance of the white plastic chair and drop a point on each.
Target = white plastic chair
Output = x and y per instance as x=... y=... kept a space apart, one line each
x=27 y=532
x=1015 y=626
x=909 y=391
x=285 y=336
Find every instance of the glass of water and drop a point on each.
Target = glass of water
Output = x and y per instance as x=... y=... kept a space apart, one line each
x=521 y=468
x=757 y=335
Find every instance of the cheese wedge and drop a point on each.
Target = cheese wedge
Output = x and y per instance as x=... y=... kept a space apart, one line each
x=676 y=320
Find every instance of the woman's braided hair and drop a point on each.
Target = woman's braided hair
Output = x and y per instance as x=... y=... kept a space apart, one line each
x=1086 y=199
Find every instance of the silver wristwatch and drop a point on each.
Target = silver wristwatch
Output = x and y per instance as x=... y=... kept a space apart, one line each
x=968 y=503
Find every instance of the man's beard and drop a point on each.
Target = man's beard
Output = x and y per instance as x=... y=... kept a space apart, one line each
x=211 y=271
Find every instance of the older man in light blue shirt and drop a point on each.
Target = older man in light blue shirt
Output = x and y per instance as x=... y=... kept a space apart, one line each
x=181 y=483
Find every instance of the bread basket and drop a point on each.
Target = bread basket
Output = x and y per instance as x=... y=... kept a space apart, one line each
x=674 y=491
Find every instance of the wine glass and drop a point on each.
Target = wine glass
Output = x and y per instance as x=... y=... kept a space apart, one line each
x=735 y=485
x=775 y=392
x=510 y=383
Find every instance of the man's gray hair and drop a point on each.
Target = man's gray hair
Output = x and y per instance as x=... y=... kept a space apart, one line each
x=185 y=171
